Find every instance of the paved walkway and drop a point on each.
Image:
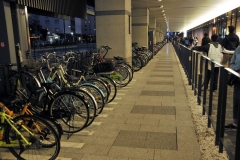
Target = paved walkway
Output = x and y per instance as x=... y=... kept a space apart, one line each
x=149 y=119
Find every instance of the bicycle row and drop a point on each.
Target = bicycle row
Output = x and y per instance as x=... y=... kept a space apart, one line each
x=57 y=96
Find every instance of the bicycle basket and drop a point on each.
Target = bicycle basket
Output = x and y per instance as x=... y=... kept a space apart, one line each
x=104 y=67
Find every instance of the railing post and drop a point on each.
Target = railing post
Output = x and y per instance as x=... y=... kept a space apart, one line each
x=205 y=86
x=223 y=108
x=210 y=94
x=190 y=63
x=196 y=73
x=237 y=148
x=200 y=81
x=219 y=108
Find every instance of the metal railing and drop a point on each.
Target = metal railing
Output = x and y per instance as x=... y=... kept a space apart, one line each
x=216 y=103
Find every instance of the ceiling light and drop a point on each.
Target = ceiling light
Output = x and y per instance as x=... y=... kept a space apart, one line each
x=159 y=0
x=233 y=14
x=161 y=6
x=162 y=10
x=164 y=14
x=222 y=18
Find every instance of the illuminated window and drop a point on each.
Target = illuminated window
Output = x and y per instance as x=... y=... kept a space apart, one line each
x=238 y=27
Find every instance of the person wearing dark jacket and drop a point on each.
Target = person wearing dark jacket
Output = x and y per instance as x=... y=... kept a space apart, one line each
x=214 y=52
x=220 y=39
x=205 y=39
x=235 y=64
x=230 y=42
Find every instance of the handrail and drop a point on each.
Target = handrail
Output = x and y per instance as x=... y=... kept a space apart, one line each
x=233 y=72
x=193 y=67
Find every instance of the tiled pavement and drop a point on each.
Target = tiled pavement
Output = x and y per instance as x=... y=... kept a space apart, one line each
x=149 y=119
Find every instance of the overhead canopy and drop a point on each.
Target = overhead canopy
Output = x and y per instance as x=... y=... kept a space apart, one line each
x=73 y=8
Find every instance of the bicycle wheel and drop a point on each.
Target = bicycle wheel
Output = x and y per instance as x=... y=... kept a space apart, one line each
x=90 y=100
x=97 y=94
x=45 y=141
x=71 y=110
x=137 y=63
x=121 y=76
x=101 y=85
x=21 y=80
x=111 y=85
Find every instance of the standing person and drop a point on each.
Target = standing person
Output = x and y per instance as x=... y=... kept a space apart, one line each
x=230 y=42
x=195 y=41
x=205 y=39
x=235 y=64
x=190 y=41
x=220 y=39
x=214 y=52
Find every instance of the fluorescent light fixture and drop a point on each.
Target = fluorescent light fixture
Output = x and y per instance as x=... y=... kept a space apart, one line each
x=161 y=6
x=162 y=10
x=212 y=12
x=159 y=0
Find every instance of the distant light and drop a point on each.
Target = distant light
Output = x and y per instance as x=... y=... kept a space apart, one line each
x=212 y=12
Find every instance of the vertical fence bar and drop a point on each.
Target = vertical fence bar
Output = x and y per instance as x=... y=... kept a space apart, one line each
x=189 y=66
x=223 y=109
x=192 y=68
x=237 y=148
x=210 y=95
x=219 y=108
x=205 y=86
x=196 y=73
x=200 y=81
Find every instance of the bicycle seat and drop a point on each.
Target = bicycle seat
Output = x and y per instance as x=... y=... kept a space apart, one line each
x=118 y=58
x=71 y=78
x=35 y=89
x=48 y=85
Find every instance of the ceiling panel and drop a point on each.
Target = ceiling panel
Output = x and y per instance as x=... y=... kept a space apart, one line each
x=185 y=14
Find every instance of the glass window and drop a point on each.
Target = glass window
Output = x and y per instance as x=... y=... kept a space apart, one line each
x=228 y=24
x=238 y=27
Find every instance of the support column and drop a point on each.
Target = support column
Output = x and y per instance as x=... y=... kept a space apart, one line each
x=140 y=22
x=152 y=27
x=158 y=32
x=14 y=30
x=113 y=27
x=7 y=47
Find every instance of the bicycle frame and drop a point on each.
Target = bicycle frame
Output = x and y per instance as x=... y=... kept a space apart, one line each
x=8 y=119
x=60 y=72
x=24 y=111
